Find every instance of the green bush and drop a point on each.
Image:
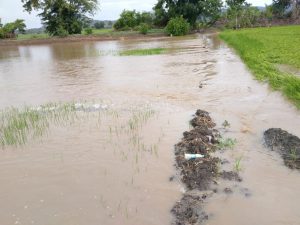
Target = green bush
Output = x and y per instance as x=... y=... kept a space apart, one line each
x=88 y=31
x=133 y=19
x=61 y=32
x=1 y=33
x=144 y=28
x=177 y=26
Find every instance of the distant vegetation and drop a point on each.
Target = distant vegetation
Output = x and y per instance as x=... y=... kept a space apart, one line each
x=263 y=49
x=66 y=17
x=9 y=30
x=178 y=26
x=240 y=14
x=63 y=17
x=130 y=20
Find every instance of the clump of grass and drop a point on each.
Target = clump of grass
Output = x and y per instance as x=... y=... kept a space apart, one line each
x=226 y=143
x=237 y=164
x=293 y=155
x=143 y=52
x=262 y=49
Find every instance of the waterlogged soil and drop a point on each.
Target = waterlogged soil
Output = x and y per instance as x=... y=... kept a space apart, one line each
x=286 y=144
x=103 y=169
x=198 y=174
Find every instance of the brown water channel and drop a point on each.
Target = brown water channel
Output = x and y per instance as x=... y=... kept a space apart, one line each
x=105 y=169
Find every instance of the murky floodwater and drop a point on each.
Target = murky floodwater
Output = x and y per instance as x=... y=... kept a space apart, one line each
x=94 y=172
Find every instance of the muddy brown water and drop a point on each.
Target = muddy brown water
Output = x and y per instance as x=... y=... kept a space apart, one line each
x=86 y=174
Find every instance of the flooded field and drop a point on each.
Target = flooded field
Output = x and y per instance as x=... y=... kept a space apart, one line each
x=110 y=161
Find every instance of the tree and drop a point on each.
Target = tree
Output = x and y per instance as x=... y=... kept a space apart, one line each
x=62 y=17
x=131 y=19
x=128 y=20
x=99 y=25
x=177 y=26
x=296 y=9
x=235 y=8
x=146 y=17
x=9 y=29
x=191 y=10
x=161 y=15
x=280 y=7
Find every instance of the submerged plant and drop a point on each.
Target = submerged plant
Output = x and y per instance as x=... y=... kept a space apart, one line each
x=141 y=52
x=20 y=125
x=226 y=124
x=226 y=143
x=237 y=164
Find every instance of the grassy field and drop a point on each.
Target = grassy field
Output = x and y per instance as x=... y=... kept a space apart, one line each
x=264 y=50
x=32 y=36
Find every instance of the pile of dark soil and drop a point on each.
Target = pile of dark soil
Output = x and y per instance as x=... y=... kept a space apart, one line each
x=198 y=174
x=286 y=144
x=189 y=210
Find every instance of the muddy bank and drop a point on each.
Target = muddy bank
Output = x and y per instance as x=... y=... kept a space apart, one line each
x=200 y=174
x=79 y=38
x=286 y=144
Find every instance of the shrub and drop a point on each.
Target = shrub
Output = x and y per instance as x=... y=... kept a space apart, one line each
x=177 y=26
x=61 y=32
x=144 y=28
x=88 y=31
x=133 y=19
x=1 y=33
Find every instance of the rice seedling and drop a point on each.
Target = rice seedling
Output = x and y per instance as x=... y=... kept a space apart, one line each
x=20 y=125
x=237 y=164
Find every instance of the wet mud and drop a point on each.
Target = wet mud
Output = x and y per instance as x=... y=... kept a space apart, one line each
x=199 y=175
x=286 y=144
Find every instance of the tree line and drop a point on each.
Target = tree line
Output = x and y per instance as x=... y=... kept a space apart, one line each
x=64 y=17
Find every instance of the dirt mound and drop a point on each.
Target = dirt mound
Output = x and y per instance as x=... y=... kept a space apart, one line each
x=286 y=144
x=197 y=174
x=189 y=210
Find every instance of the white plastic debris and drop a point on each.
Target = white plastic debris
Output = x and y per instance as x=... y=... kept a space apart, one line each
x=104 y=106
x=78 y=105
x=193 y=156
x=97 y=106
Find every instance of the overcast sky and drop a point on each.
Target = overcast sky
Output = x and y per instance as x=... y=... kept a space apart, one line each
x=10 y=10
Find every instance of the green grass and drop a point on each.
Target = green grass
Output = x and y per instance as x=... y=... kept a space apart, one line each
x=141 y=52
x=32 y=36
x=262 y=49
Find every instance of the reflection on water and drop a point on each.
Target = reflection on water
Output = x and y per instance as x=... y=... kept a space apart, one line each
x=97 y=171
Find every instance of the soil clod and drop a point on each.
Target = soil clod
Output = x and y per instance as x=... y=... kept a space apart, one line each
x=189 y=210
x=286 y=144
